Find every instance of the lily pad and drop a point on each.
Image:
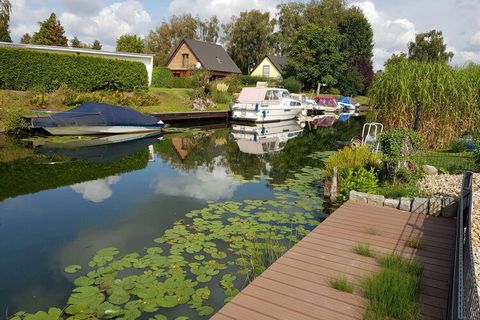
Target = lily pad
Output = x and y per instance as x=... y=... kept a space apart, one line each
x=73 y=268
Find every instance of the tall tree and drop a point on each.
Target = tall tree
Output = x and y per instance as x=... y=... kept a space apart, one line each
x=315 y=56
x=75 y=43
x=289 y=19
x=165 y=38
x=51 y=33
x=26 y=39
x=130 y=43
x=248 y=38
x=208 y=30
x=429 y=46
x=96 y=45
x=5 y=12
x=395 y=58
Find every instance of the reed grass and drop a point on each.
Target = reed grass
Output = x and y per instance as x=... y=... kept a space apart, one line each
x=341 y=283
x=415 y=241
x=364 y=249
x=449 y=96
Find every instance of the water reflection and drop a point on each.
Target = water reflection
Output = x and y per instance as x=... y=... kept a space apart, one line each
x=96 y=191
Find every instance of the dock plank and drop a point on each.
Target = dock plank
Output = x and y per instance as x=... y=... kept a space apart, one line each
x=297 y=285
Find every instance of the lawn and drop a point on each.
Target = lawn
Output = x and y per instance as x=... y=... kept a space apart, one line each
x=449 y=161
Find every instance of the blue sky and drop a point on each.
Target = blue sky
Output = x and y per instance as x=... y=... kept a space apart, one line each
x=394 y=22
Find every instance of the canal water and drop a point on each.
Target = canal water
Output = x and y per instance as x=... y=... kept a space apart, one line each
x=170 y=197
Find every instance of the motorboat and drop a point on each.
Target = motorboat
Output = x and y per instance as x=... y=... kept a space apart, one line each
x=265 y=105
x=93 y=118
x=265 y=138
x=347 y=104
x=327 y=104
x=324 y=120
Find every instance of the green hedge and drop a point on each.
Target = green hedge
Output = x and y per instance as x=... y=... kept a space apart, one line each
x=162 y=77
x=248 y=80
x=22 y=69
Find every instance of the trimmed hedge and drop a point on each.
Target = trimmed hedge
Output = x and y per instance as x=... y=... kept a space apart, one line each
x=251 y=80
x=162 y=77
x=22 y=69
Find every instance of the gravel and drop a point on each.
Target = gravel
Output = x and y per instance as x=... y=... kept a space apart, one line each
x=450 y=185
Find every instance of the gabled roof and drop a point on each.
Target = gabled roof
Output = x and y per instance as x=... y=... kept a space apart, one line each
x=212 y=56
x=278 y=61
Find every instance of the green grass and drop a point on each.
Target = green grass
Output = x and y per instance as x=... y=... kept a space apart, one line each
x=341 y=283
x=393 y=293
x=364 y=249
x=450 y=162
x=398 y=190
x=415 y=241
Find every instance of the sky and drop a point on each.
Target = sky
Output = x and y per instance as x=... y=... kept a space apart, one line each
x=394 y=22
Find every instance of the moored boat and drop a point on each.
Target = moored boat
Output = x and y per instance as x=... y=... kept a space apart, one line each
x=327 y=104
x=97 y=118
x=265 y=105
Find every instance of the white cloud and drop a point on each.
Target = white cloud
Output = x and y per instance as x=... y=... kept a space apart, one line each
x=223 y=9
x=96 y=191
x=25 y=19
x=200 y=183
x=391 y=34
x=475 y=40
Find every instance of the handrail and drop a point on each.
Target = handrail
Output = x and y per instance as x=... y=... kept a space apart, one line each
x=463 y=300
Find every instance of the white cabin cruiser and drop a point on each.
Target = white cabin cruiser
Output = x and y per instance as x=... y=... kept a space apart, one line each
x=265 y=105
x=265 y=138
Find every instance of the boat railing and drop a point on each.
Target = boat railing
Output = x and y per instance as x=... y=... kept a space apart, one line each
x=463 y=300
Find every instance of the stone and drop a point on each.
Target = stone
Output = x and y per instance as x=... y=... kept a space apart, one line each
x=449 y=207
x=420 y=206
x=405 y=204
x=375 y=200
x=358 y=196
x=391 y=203
x=429 y=170
x=435 y=206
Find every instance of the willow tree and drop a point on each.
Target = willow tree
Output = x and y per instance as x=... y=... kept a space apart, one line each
x=5 y=13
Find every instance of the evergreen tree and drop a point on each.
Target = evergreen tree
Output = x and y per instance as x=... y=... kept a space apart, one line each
x=96 y=45
x=26 y=39
x=5 y=12
x=75 y=43
x=51 y=33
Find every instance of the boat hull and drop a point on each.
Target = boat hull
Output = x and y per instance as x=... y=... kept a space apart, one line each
x=266 y=114
x=92 y=130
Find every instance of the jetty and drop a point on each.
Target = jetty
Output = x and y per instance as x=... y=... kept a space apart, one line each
x=297 y=286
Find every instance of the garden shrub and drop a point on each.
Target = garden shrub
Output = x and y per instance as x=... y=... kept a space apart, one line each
x=22 y=69
x=459 y=145
x=292 y=85
x=352 y=158
x=248 y=80
x=39 y=99
x=361 y=180
x=221 y=97
x=162 y=77
x=397 y=144
x=13 y=120
x=180 y=82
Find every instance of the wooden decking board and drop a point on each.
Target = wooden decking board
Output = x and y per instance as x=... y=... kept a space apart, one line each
x=297 y=286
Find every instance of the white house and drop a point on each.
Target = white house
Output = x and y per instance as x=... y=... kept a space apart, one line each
x=146 y=59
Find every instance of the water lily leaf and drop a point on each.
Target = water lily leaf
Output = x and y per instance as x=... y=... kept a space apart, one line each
x=203 y=278
x=132 y=314
x=83 y=281
x=150 y=307
x=119 y=296
x=205 y=310
x=73 y=268
x=181 y=318
x=199 y=257
x=107 y=252
x=219 y=255
x=159 y=317
x=108 y=310
x=167 y=301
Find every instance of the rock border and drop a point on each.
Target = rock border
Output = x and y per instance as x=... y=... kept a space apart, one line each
x=439 y=206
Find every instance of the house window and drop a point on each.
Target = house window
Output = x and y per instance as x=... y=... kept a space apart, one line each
x=266 y=71
x=185 y=60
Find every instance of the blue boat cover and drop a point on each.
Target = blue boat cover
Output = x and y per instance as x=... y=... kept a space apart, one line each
x=346 y=100
x=96 y=114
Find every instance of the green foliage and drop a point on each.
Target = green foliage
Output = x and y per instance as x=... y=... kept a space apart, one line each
x=350 y=158
x=22 y=69
x=458 y=145
x=292 y=85
x=315 y=56
x=351 y=82
x=247 y=38
x=249 y=80
x=221 y=97
x=476 y=154
x=393 y=293
x=39 y=99
x=341 y=283
x=429 y=46
x=26 y=39
x=5 y=34
x=415 y=241
x=13 y=120
x=361 y=180
x=162 y=77
x=453 y=163
x=51 y=33
x=130 y=43
x=96 y=45
x=398 y=189
x=400 y=144
x=364 y=249
x=446 y=94
x=75 y=43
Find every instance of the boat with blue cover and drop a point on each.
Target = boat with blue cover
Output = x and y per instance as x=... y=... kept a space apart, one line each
x=97 y=118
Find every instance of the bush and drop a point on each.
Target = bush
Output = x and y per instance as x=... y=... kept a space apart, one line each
x=22 y=69
x=349 y=158
x=476 y=154
x=248 y=80
x=13 y=120
x=361 y=180
x=162 y=77
x=400 y=143
x=459 y=145
x=180 y=82
x=39 y=99
x=292 y=85
x=222 y=97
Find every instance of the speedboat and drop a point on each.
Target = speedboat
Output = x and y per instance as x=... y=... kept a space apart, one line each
x=97 y=118
x=265 y=138
x=265 y=105
x=327 y=104
x=347 y=104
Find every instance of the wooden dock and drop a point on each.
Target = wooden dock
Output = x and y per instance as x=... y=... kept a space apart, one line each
x=192 y=116
x=297 y=286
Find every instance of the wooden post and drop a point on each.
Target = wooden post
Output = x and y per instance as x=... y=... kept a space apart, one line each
x=334 y=187
x=318 y=88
